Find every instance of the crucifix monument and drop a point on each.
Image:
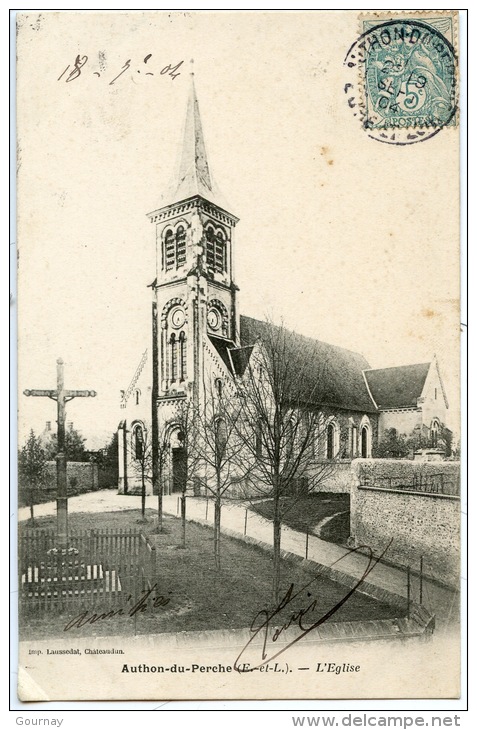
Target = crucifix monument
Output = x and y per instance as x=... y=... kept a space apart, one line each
x=61 y=396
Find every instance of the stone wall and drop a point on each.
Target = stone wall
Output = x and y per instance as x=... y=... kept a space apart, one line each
x=335 y=477
x=421 y=523
x=442 y=477
x=81 y=476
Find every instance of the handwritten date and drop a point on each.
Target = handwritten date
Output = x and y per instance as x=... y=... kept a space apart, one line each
x=73 y=72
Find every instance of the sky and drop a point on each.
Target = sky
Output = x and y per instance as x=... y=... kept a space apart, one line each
x=350 y=241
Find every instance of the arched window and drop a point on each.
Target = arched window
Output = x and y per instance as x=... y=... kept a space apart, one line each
x=216 y=250
x=220 y=252
x=364 y=442
x=210 y=247
x=220 y=438
x=219 y=387
x=180 y=246
x=365 y=438
x=434 y=433
x=137 y=396
x=330 y=441
x=174 y=249
x=183 y=355
x=174 y=357
x=169 y=250
x=138 y=441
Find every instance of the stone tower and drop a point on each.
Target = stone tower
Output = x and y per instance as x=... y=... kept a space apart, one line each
x=195 y=296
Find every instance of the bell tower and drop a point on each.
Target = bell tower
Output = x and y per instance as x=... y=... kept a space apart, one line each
x=194 y=291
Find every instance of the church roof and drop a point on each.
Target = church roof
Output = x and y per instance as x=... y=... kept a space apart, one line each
x=234 y=358
x=223 y=347
x=326 y=374
x=397 y=387
x=240 y=357
x=193 y=175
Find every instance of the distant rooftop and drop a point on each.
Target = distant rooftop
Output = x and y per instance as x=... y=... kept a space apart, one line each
x=397 y=387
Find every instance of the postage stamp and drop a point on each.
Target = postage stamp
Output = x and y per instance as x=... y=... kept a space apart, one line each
x=407 y=76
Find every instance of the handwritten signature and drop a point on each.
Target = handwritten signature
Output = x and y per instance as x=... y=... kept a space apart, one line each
x=80 y=62
x=269 y=626
x=145 y=603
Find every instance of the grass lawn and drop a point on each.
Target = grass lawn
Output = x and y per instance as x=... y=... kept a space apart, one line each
x=201 y=598
x=307 y=512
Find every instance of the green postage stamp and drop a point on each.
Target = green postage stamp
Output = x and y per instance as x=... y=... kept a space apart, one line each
x=408 y=75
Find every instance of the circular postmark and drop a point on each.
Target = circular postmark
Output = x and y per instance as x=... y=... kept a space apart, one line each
x=403 y=81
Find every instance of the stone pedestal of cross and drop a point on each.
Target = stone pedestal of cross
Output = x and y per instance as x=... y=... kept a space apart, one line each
x=61 y=396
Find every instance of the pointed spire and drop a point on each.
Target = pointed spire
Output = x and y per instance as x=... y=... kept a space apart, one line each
x=194 y=166
x=194 y=176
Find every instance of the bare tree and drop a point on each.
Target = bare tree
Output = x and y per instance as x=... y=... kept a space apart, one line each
x=141 y=461
x=282 y=425
x=221 y=449
x=160 y=454
x=143 y=457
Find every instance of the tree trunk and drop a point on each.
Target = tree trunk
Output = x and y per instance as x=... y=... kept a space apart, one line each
x=217 y=512
x=32 y=516
x=143 y=495
x=183 y=519
x=159 y=503
x=277 y=533
x=276 y=559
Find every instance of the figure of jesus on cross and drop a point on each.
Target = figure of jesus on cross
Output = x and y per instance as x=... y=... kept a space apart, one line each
x=61 y=396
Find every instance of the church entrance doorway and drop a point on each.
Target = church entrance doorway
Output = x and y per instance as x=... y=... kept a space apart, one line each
x=179 y=465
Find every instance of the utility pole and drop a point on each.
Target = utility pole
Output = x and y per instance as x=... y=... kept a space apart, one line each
x=61 y=396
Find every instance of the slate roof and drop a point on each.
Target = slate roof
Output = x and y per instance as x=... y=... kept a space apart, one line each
x=222 y=347
x=240 y=357
x=397 y=387
x=234 y=358
x=325 y=374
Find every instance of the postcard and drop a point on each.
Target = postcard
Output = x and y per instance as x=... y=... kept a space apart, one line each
x=238 y=348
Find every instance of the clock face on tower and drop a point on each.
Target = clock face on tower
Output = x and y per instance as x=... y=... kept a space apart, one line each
x=214 y=319
x=177 y=317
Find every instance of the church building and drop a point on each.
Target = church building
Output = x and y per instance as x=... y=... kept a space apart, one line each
x=200 y=340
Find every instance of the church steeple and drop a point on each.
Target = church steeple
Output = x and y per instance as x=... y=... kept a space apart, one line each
x=193 y=175
x=195 y=291
x=194 y=192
